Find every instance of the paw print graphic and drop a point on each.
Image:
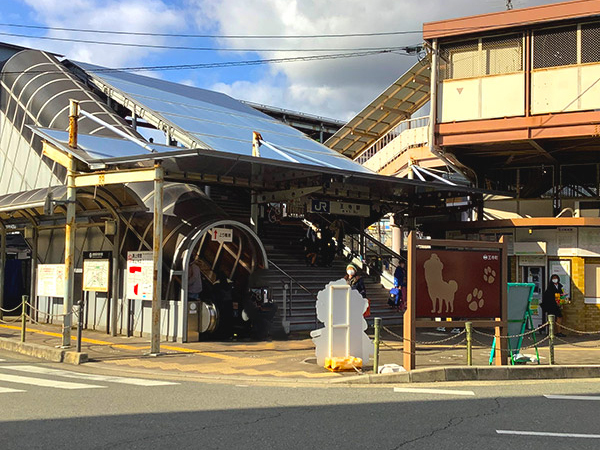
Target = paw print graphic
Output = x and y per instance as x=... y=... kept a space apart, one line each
x=489 y=275
x=475 y=299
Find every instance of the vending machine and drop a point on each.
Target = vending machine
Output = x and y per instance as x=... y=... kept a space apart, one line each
x=537 y=276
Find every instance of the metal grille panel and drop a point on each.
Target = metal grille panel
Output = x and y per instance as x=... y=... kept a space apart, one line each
x=555 y=47
x=590 y=43
x=502 y=54
x=494 y=56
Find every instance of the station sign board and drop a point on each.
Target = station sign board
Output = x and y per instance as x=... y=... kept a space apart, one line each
x=340 y=208
x=140 y=267
x=221 y=235
x=96 y=271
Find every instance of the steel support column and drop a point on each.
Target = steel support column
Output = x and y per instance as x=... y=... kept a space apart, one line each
x=33 y=285
x=2 y=264
x=114 y=308
x=157 y=258
x=70 y=228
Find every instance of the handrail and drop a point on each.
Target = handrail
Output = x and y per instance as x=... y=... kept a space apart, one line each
x=362 y=157
x=292 y=278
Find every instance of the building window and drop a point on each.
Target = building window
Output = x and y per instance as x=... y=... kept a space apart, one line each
x=555 y=47
x=590 y=37
x=481 y=57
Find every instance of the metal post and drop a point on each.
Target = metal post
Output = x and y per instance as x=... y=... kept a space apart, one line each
x=23 y=317
x=469 y=329
x=114 y=312
x=433 y=100
x=70 y=228
x=157 y=258
x=377 y=326
x=33 y=285
x=2 y=265
x=80 y=303
x=551 y=322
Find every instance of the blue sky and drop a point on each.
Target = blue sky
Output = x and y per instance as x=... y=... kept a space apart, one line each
x=337 y=88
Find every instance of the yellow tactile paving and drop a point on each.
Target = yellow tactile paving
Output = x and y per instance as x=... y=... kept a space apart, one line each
x=217 y=369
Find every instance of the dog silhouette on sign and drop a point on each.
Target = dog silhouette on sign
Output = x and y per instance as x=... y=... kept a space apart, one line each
x=440 y=292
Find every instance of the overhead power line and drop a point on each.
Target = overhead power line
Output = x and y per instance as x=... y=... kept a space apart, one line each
x=218 y=64
x=211 y=36
x=190 y=48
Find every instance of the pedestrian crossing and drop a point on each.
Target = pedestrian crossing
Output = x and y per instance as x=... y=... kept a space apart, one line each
x=13 y=376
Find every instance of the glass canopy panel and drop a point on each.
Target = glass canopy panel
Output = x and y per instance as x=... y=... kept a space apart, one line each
x=219 y=121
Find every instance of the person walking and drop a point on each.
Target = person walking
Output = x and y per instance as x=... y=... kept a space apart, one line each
x=400 y=284
x=550 y=301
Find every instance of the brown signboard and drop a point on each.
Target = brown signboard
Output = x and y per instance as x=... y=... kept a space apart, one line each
x=458 y=283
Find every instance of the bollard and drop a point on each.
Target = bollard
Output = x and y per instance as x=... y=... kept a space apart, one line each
x=469 y=330
x=377 y=325
x=551 y=340
x=79 y=324
x=23 y=317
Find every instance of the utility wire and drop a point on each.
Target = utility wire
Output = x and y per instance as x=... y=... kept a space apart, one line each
x=172 y=47
x=211 y=36
x=218 y=64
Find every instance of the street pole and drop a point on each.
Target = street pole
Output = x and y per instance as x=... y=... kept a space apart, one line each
x=157 y=258
x=551 y=319
x=70 y=228
x=377 y=326
x=469 y=329
x=2 y=264
x=23 y=317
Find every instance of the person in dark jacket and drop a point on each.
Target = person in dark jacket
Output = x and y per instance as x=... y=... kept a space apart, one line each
x=549 y=304
x=400 y=284
x=355 y=281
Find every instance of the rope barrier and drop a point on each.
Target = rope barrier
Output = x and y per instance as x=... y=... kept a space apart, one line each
x=11 y=310
x=576 y=345
x=512 y=335
x=401 y=338
x=578 y=331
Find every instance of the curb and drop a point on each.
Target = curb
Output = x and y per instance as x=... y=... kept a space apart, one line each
x=470 y=373
x=43 y=352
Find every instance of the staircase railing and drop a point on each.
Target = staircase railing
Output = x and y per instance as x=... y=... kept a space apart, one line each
x=288 y=295
x=385 y=259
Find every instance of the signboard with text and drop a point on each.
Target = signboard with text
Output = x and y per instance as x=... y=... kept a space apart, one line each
x=341 y=208
x=140 y=267
x=51 y=280
x=221 y=235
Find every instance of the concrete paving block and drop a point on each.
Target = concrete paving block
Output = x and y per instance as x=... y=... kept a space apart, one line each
x=461 y=373
x=584 y=371
x=428 y=375
x=492 y=373
x=75 y=358
x=532 y=373
x=31 y=349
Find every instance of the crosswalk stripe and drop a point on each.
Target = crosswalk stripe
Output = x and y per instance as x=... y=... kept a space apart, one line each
x=432 y=391
x=88 y=376
x=4 y=390
x=573 y=397
x=46 y=383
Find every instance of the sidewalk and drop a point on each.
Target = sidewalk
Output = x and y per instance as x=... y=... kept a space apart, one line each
x=292 y=359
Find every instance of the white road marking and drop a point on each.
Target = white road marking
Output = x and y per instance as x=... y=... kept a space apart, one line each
x=88 y=376
x=432 y=391
x=2 y=360
x=573 y=397
x=543 y=433
x=46 y=383
x=9 y=390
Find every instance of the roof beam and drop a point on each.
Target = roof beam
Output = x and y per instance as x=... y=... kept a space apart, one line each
x=542 y=151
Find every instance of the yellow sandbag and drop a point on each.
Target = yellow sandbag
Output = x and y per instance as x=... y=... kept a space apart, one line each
x=337 y=364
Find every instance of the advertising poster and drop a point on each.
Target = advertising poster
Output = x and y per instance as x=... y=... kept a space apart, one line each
x=139 y=275
x=51 y=280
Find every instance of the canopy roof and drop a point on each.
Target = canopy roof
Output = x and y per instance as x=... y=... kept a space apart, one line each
x=397 y=103
x=202 y=119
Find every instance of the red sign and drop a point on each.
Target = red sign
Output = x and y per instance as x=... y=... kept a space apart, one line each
x=458 y=284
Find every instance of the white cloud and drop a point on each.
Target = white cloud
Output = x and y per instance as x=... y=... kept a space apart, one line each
x=337 y=88
x=132 y=16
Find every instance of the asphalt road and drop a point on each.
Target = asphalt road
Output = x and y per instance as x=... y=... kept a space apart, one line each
x=87 y=408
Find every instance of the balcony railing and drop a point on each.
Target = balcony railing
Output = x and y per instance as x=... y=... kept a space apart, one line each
x=407 y=134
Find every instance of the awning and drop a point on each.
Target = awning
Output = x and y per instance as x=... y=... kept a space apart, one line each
x=397 y=103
